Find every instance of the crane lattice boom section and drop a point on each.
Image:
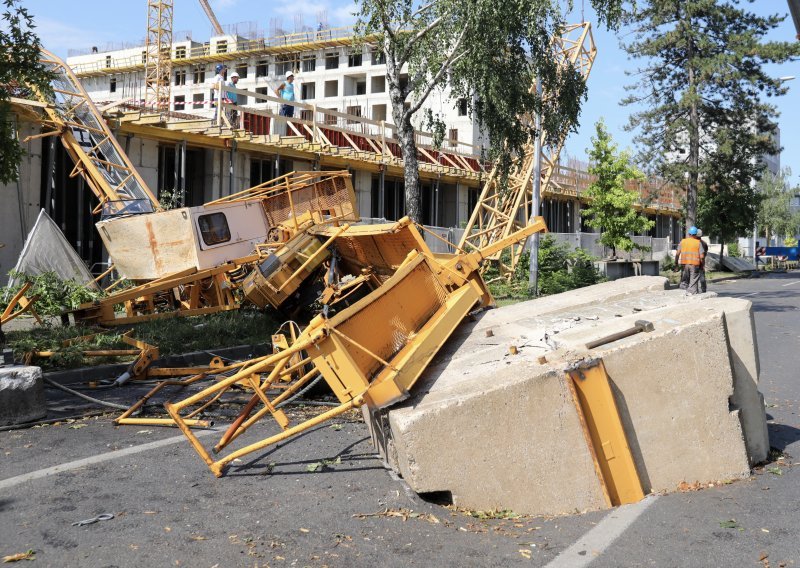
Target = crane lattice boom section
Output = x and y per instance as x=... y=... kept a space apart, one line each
x=93 y=148
x=158 y=54
x=500 y=210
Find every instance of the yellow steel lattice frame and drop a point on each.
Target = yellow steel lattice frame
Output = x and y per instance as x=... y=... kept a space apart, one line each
x=94 y=150
x=501 y=211
x=158 y=55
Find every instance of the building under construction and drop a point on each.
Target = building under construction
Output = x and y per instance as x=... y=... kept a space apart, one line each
x=160 y=110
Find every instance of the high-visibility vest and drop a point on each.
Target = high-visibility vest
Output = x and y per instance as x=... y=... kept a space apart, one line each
x=690 y=251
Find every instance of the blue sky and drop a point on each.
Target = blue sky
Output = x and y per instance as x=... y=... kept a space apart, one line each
x=80 y=25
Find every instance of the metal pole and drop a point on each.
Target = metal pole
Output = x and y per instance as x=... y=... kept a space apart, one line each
x=231 y=166
x=533 y=279
x=381 y=192
x=183 y=173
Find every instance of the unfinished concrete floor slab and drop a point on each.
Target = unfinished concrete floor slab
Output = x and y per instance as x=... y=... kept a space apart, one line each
x=501 y=431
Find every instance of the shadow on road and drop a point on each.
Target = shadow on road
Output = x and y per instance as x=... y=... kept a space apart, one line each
x=782 y=435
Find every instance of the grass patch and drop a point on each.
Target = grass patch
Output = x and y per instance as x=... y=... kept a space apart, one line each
x=171 y=335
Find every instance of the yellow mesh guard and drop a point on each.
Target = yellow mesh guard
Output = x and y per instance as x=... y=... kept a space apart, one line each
x=331 y=196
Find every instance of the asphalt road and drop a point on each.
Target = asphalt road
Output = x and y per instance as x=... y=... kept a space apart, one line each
x=272 y=511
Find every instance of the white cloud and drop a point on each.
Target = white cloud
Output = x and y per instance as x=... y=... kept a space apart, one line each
x=59 y=37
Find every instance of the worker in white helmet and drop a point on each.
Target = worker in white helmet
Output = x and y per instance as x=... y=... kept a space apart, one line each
x=286 y=92
x=233 y=98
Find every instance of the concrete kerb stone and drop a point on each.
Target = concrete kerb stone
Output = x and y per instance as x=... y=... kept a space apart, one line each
x=470 y=418
x=21 y=395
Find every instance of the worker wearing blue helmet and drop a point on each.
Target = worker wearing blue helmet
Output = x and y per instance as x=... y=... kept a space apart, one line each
x=691 y=257
x=216 y=82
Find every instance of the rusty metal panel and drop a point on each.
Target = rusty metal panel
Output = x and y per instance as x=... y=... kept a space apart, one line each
x=146 y=247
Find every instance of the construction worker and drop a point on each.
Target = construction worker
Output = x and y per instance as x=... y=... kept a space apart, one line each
x=690 y=257
x=219 y=79
x=286 y=92
x=233 y=114
x=704 y=246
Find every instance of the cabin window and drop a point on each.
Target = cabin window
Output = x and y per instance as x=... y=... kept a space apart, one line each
x=214 y=228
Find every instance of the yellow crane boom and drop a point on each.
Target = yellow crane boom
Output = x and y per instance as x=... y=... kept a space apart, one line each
x=212 y=17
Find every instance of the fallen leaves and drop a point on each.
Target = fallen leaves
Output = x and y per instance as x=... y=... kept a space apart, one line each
x=77 y=426
x=730 y=524
x=526 y=554
x=404 y=514
x=775 y=470
x=27 y=555
x=321 y=465
x=496 y=514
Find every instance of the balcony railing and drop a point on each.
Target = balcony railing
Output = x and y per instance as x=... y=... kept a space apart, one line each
x=211 y=51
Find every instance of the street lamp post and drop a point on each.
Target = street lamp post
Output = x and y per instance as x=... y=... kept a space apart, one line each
x=755 y=227
x=533 y=276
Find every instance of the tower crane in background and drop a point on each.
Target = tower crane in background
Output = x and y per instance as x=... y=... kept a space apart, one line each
x=211 y=17
x=502 y=210
x=158 y=54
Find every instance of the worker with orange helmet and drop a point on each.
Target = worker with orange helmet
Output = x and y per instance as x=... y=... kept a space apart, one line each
x=691 y=257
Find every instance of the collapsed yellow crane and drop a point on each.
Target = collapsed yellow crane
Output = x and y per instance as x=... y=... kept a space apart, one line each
x=377 y=273
x=98 y=157
x=502 y=210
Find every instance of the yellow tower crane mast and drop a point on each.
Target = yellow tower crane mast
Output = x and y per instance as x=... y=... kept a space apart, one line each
x=158 y=54
x=502 y=210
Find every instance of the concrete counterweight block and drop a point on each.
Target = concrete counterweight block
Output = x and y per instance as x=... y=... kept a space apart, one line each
x=21 y=395
x=498 y=428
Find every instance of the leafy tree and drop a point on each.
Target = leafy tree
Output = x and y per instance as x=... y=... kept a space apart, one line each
x=612 y=207
x=485 y=51
x=19 y=53
x=774 y=214
x=728 y=202
x=704 y=71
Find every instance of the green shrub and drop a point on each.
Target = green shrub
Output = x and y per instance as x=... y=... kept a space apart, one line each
x=54 y=294
x=733 y=250
x=560 y=270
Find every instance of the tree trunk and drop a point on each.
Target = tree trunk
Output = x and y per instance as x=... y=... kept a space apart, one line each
x=404 y=133
x=411 y=171
x=408 y=148
x=694 y=132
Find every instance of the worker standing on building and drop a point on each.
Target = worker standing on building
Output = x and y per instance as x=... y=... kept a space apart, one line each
x=286 y=92
x=690 y=256
x=216 y=82
x=233 y=98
